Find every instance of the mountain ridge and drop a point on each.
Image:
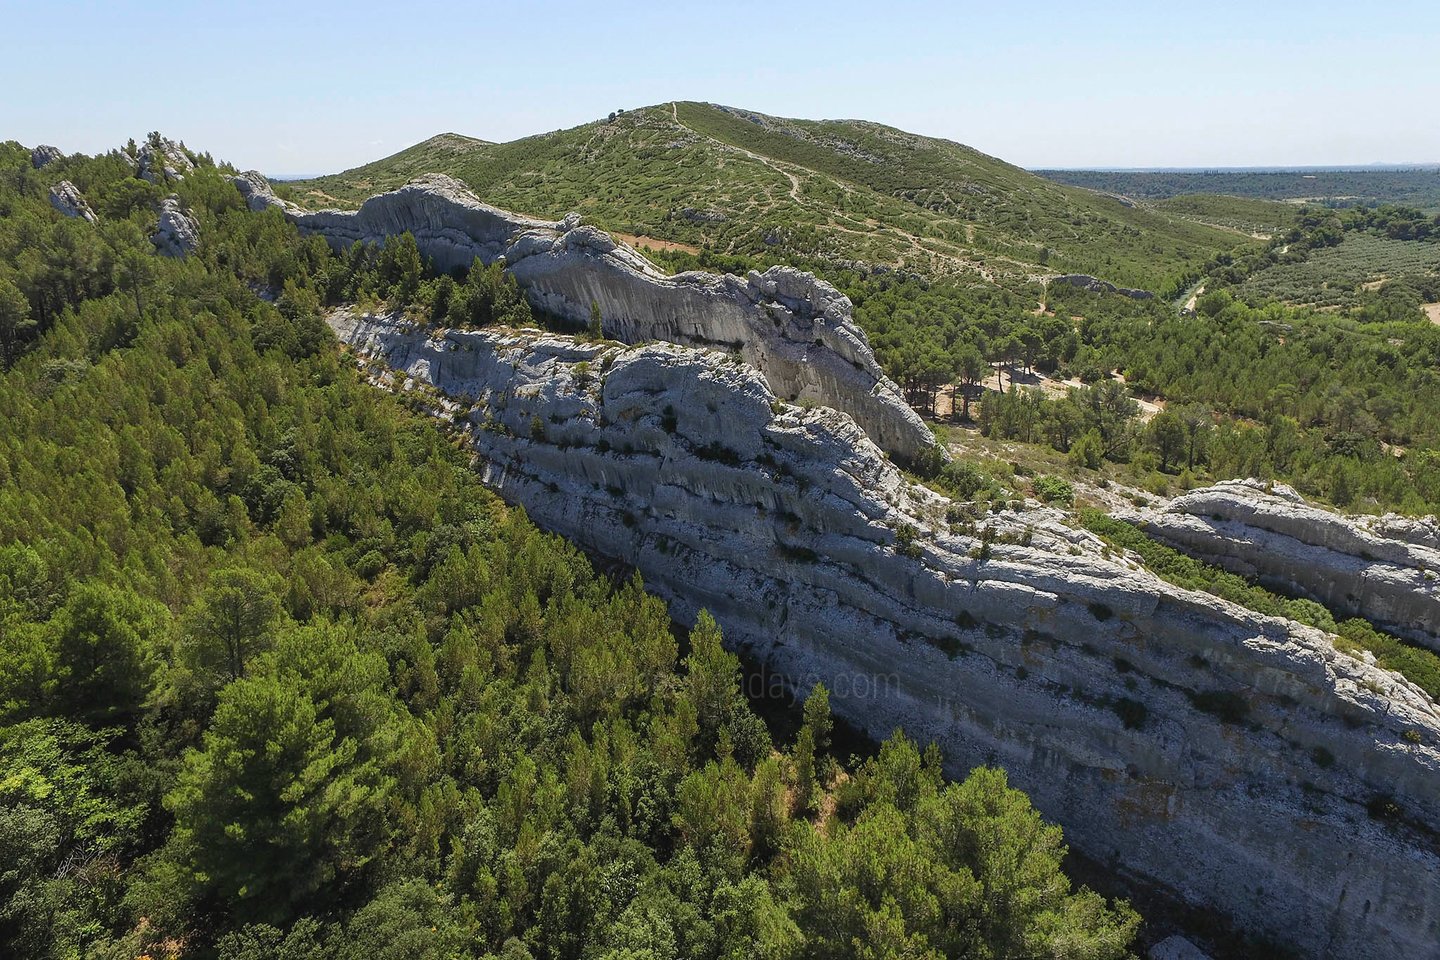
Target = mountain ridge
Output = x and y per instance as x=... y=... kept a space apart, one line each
x=733 y=180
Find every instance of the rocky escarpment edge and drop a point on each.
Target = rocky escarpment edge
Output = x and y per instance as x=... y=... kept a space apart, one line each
x=1237 y=759
x=1385 y=569
x=798 y=331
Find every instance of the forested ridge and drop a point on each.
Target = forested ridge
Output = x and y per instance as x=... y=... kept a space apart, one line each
x=278 y=677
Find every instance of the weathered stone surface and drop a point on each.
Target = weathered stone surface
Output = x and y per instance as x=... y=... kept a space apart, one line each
x=786 y=523
x=257 y=192
x=796 y=330
x=1385 y=569
x=66 y=198
x=167 y=161
x=177 y=233
x=1177 y=948
x=44 y=154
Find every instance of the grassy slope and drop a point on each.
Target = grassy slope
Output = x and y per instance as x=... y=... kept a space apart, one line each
x=1244 y=214
x=744 y=182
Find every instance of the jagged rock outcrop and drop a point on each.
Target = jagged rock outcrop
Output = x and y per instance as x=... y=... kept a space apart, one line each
x=796 y=330
x=1230 y=756
x=168 y=160
x=68 y=199
x=1095 y=285
x=177 y=233
x=258 y=194
x=1385 y=569
x=44 y=154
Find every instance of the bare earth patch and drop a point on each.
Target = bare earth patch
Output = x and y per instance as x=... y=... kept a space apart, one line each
x=1432 y=310
x=637 y=242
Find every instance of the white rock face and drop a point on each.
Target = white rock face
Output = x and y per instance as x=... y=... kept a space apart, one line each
x=168 y=161
x=796 y=330
x=177 y=233
x=786 y=524
x=43 y=155
x=1386 y=569
x=66 y=198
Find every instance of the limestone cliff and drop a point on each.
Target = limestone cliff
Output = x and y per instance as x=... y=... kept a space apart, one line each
x=1385 y=569
x=798 y=331
x=1235 y=758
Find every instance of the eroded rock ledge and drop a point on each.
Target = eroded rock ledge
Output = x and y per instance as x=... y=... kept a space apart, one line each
x=1230 y=756
x=798 y=331
x=1385 y=569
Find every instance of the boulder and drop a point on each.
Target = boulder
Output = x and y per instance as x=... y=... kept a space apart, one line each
x=166 y=161
x=44 y=154
x=66 y=198
x=1096 y=285
x=177 y=233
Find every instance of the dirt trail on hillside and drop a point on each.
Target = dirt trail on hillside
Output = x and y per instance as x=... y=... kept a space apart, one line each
x=757 y=157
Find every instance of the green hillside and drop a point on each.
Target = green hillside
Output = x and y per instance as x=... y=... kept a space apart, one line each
x=738 y=182
x=1247 y=215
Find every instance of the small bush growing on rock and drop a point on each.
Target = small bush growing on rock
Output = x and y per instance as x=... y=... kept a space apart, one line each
x=1054 y=490
x=1132 y=713
x=719 y=453
x=1227 y=705
x=906 y=541
x=1384 y=808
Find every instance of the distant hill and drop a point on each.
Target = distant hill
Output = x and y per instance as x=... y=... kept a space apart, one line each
x=736 y=181
x=1414 y=187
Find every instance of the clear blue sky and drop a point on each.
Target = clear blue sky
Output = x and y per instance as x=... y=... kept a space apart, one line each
x=303 y=87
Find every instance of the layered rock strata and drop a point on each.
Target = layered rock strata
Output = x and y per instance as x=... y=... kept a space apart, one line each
x=1237 y=759
x=1385 y=569
x=799 y=332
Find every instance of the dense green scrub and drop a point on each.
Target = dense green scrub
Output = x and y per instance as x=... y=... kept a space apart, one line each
x=279 y=678
x=1418 y=665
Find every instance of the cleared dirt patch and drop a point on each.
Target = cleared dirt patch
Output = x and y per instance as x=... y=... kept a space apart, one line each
x=1432 y=310
x=637 y=242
